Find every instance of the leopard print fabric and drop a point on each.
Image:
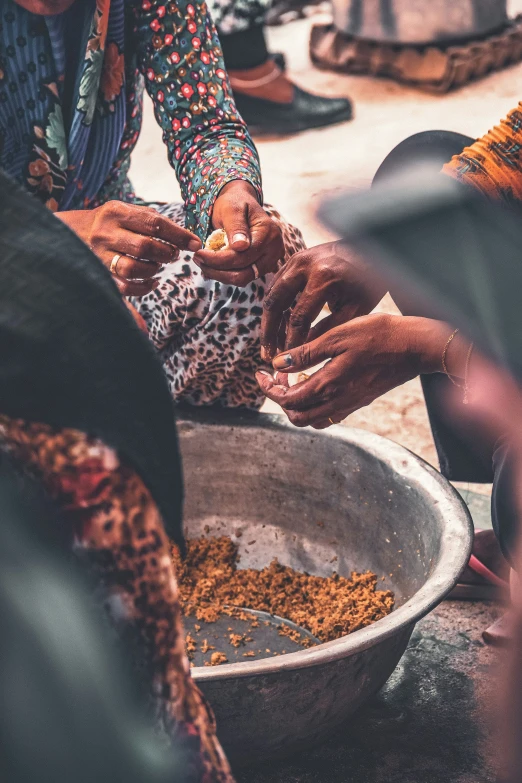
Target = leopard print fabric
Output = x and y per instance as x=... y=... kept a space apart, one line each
x=207 y=333
x=117 y=533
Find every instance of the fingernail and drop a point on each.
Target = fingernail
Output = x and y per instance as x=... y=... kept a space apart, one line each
x=239 y=238
x=283 y=361
x=265 y=372
x=194 y=245
x=265 y=354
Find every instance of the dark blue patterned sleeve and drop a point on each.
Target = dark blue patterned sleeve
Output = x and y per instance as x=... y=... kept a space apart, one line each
x=208 y=142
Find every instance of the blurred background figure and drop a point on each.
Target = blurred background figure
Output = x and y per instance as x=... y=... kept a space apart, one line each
x=266 y=98
x=434 y=45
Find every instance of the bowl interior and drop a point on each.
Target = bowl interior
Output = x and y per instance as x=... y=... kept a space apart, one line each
x=319 y=503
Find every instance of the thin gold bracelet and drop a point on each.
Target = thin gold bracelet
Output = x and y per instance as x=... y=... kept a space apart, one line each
x=466 y=375
x=444 y=365
x=464 y=385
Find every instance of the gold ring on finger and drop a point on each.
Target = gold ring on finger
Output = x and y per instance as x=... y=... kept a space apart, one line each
x=114 y=264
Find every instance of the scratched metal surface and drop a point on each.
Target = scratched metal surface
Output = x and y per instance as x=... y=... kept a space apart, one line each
x=338 y=500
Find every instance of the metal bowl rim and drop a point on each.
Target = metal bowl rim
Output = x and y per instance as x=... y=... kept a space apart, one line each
x=455 y=546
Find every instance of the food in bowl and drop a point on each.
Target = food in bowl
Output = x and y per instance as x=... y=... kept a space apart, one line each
x=210 y=583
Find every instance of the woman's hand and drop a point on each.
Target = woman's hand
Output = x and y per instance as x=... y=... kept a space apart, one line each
x=142 y=238
x=368 y=356
x=254 y=238
x=328 y=274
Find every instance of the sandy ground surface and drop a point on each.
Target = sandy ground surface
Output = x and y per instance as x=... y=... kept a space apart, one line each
x=298 y=171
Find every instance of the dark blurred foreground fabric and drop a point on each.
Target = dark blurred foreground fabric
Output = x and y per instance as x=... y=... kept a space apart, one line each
x=68 y=711
x=71 y=354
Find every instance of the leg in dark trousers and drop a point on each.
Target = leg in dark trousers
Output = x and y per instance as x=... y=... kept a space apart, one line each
x=266 y=98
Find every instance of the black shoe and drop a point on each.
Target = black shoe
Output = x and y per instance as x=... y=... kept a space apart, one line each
x=280 y=60
x=306 y=111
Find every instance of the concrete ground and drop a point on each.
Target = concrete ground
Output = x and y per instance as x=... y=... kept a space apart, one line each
x=436 y=702
x=431 y=723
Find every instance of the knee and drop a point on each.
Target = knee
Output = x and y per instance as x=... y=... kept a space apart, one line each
x=434 y=148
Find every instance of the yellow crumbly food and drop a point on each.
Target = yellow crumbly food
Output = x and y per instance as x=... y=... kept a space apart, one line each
x=327 y=606
x=217 y=240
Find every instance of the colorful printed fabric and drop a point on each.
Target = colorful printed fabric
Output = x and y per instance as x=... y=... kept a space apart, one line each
x=207 y=334
x=493 y=164
x=117 y=532
x=78 y=156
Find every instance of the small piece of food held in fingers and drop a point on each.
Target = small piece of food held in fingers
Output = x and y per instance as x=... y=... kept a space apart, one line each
x=217 y=240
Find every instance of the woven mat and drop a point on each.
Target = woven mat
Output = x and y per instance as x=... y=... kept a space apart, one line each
x=430 y=68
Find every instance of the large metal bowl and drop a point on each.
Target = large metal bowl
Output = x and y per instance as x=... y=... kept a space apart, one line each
x=307 y=497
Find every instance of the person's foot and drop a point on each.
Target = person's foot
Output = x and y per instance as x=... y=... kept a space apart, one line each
x=487 y=574
x=487 y=551
x=269 y=102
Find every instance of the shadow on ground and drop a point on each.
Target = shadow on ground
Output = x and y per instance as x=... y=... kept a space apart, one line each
x=427 y=725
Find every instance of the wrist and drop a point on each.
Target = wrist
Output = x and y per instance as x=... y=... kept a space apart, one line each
x=78 y=220
x=238 y=186
x=427 y=339
x=237 y=190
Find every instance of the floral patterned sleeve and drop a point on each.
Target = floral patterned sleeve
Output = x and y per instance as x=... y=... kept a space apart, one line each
x=208 y=143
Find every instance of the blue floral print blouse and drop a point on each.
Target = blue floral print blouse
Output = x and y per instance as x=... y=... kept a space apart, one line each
x=71 y=89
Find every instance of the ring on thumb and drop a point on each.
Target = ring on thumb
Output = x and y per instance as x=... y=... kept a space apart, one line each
x=304 y=356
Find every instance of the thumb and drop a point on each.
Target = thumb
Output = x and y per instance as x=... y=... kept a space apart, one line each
x=235 y=223
x=305 y=356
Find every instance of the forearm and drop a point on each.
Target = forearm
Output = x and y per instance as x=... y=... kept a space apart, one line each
x=208 y=143
x=220 y=158
x=428 y=340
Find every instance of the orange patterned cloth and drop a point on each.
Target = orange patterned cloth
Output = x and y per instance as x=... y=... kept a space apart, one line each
x=117 y=533
x=493 y=164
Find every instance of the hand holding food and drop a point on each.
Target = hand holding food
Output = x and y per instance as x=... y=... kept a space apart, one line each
x=254 y=242
x=133 y=242
x=365 y=358
x=217 y=240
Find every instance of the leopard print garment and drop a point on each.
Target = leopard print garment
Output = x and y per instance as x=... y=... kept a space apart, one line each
x=117 y=532
x=207 y=333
